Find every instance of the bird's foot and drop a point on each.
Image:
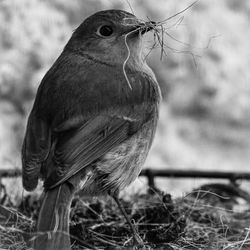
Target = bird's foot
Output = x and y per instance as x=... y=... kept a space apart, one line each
x=138 y=241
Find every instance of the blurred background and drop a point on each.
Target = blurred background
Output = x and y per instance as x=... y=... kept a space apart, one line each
x=204 y=77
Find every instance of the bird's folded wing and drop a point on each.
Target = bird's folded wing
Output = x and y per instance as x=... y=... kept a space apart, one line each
x=77 y=148
x=35 y=150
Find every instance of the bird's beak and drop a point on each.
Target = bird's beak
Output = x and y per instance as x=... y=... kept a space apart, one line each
x=141 y=28
x=146 y=27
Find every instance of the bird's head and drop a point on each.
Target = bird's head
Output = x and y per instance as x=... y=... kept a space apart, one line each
x=108 y=35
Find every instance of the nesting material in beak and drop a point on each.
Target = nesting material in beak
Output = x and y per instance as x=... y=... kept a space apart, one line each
x=141 y=28
x=147 y=26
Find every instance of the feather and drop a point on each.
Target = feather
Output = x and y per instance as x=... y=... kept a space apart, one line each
x=78 y=148
x=54 y=219
x=35 y=150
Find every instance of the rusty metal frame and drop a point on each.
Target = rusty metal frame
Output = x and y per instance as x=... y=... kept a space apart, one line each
x=151 y=173
x=232 y=176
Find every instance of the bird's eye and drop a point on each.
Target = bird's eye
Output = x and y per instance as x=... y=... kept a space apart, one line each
x=105 y=31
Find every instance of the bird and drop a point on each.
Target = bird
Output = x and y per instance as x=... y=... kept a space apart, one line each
x=92 y=122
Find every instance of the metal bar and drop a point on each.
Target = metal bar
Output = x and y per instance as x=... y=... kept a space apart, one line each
x=171 y=173
x=10 y=173
x=190 y=173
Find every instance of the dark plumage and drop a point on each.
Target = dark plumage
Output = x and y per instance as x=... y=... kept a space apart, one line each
x=88 y=129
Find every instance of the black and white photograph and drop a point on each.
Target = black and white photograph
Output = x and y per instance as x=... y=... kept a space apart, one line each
x=124 y=124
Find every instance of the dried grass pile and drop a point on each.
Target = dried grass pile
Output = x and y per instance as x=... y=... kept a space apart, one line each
x=207 y=218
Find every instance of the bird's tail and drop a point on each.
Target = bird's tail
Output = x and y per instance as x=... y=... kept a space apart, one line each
x=53 y=221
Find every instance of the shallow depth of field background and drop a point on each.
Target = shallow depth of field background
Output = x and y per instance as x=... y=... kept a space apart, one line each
x=205 y=78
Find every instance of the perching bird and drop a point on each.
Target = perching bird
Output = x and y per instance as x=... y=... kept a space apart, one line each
x=92 y=122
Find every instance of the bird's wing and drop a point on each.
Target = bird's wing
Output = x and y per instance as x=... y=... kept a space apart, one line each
x=35 y=150
x=77 y=148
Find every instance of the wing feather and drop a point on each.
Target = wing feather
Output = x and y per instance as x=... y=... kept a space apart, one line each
x=77 y=149
x=35 y=150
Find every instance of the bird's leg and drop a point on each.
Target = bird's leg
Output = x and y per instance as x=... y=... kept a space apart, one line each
x=137 y=239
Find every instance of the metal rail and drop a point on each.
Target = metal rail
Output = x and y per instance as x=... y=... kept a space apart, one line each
x=10 y=173
x=150 y=174
x=191 y=173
